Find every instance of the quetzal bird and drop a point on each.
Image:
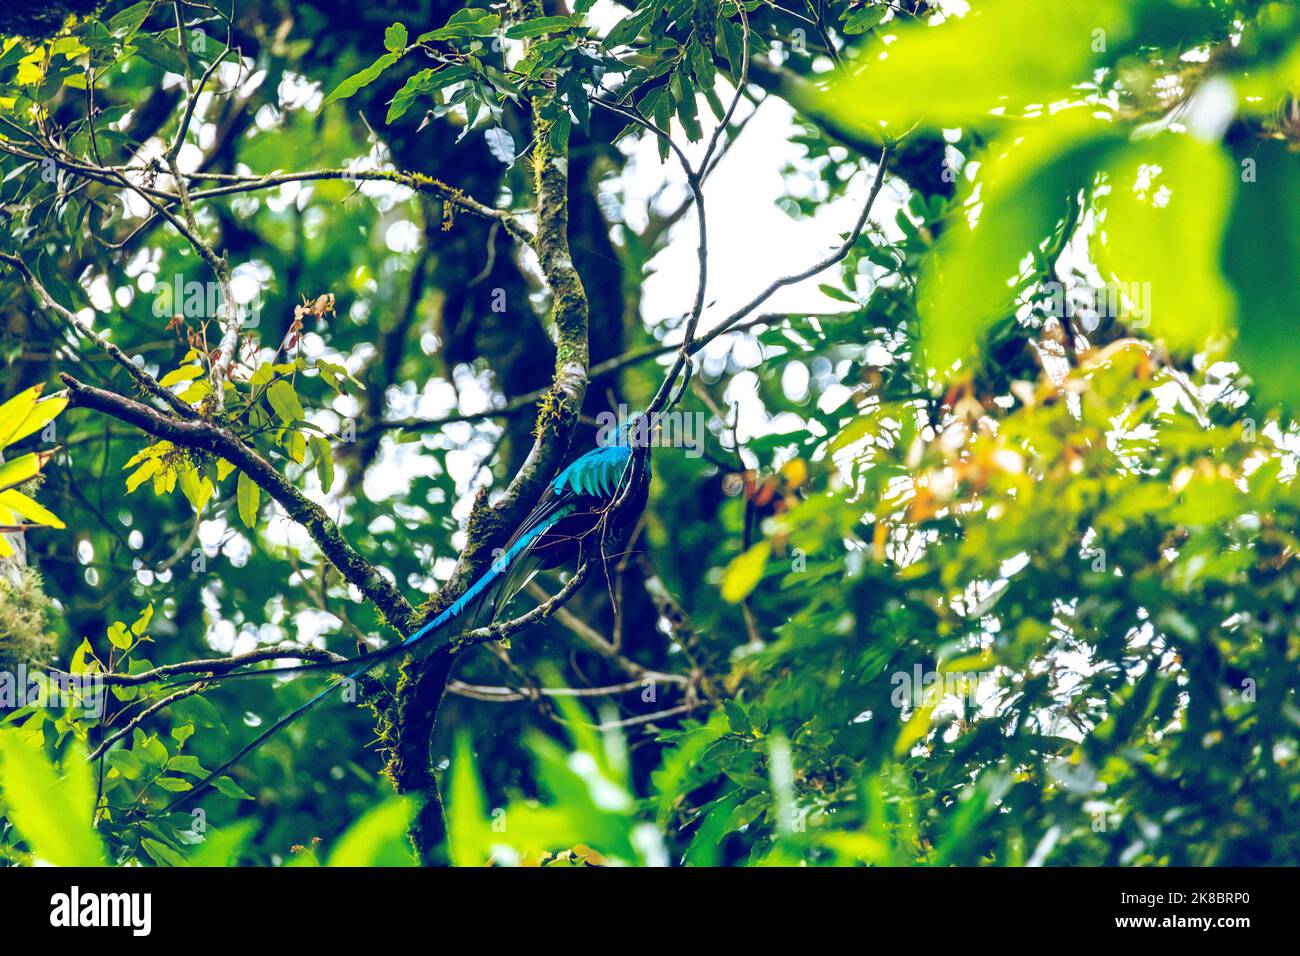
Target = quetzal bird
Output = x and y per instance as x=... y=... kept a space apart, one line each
x=588 y=510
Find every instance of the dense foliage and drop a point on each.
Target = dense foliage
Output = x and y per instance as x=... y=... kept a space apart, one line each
x=988 y=555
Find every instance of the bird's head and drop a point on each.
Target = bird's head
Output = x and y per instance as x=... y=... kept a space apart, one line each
x=636 y=432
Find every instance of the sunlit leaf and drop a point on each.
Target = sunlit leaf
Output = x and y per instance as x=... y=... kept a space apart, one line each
x=52 y=812
x=744 y=572
x=378 y=838
x=1161 y=229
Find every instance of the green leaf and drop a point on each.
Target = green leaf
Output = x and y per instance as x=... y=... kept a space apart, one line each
x=836 y=293
x=221 y=847
x=627 y=29
x=731 y=43
x=378 y=838
x=1159 y=235
x=395 y=38
x=471 y=22
x=744 y=572
x=160 y=53
x=860 y=21
x=284 y=400
x=686 y=110
x=247 y=498
x=737 y=719
x=52 y=813
x=705 y=846
x=126 y=22
x=357 y=80
x=324 y=455
x=1260 y=253
x=468 y=833
x=185 y=763
x=501 y=144
x=229 y=788
x=538 y=26
x=161 y=853
x=701 y=65
x=959 y=71
x=424 y=82
x=559 y=135
x=1025 y=185
x=126 y=763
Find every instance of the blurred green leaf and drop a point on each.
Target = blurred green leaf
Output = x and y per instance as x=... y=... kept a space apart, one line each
x=1263 y=234
x=378 y=838
x=1160 y=232
x=1025 y=188
x=744 y=572
x=966 y=67
x=52 y=811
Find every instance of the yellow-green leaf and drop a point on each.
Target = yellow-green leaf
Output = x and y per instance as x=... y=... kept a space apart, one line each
x=1159 y=236
x=917 y=726
x=23 y=468
x=183 y=374
x=142 y=622
x=296 y=444
x=52 y=813
x=1025 y=183
x=196 y=488
x=247 y=497
x=199 y=389
x=468 y=832
x=15 y=411
x=46 y=410
x=744 y=572
x=285 y=401
x=324 y=455
x=32 y=510
x=378 y=838
x=962 y=70
x=119 y=636
x=142 y=474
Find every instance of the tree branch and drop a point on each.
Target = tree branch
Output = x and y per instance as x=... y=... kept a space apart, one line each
x=416 y=181
x=209 y=437
x=146 y=382
x=691 y=346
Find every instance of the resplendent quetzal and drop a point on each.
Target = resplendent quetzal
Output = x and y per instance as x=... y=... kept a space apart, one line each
x=588 y=510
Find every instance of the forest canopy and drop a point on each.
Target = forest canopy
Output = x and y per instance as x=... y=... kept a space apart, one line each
x=967 y=336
